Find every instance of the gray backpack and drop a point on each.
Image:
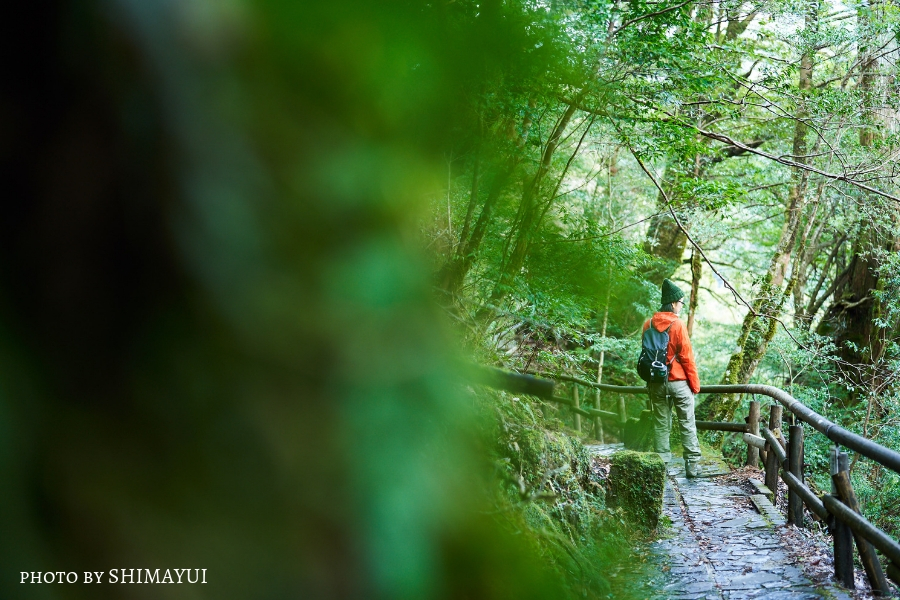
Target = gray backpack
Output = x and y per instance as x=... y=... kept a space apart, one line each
x=652 y=366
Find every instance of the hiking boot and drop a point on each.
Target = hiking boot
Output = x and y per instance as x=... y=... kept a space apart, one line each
x=692 y=469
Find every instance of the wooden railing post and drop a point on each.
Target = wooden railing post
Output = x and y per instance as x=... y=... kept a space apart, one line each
x=893 y=572
x=866 y=553
x=753 y=428
x=772 y=466
x=577 y=405
x=598 y=422
x=840 y=532
x=795 y=466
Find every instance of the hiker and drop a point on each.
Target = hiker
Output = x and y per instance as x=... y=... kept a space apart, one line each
x=682 y=384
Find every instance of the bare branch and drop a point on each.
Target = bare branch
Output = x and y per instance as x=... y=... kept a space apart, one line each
x=721 y=137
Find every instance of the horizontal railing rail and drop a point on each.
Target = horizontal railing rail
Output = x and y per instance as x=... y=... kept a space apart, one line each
x=783 y=458
x=884 y=456
x=837 y=434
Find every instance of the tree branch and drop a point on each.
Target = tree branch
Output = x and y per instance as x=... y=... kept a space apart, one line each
x=721 y=137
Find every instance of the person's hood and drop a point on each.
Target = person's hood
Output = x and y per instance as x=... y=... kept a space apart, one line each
x=662 y=320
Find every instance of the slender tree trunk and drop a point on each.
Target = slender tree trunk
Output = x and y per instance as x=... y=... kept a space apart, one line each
x=453 y=273
x=868 y=68
x=598 y=425
x=806 y=252
x=815 y=299
x=696 y=272
x=473 y=200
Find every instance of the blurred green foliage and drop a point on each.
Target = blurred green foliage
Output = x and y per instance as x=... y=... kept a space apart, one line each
x=220 y=346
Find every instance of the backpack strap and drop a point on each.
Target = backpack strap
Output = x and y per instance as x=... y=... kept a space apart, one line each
x=675 y=355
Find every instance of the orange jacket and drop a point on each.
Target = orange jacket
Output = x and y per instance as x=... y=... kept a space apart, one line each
x=683 y=367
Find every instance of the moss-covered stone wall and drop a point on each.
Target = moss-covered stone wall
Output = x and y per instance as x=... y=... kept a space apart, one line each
x=553 y=498
x=636 y=483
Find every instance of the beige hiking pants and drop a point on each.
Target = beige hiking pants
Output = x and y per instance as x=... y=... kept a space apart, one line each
x=663 y=397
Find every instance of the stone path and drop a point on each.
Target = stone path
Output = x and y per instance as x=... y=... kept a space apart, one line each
x=719 y=546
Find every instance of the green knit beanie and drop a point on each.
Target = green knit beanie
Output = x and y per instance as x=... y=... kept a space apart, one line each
x=670 y=292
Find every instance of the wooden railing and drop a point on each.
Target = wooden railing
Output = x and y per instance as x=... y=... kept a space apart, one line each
x=782 y=458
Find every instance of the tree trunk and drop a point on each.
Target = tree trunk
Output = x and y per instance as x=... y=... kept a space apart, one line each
x=851 y=315
x=696 y=272
x=868 y=68
x=453 y=273
x=807 y=251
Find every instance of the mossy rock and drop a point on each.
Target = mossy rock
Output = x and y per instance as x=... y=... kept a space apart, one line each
x=553 y=499
x=636 y=483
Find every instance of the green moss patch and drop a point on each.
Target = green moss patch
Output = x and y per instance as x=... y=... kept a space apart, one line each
x=636 y=483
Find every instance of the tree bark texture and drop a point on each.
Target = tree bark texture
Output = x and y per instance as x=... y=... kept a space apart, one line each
x=696 y=273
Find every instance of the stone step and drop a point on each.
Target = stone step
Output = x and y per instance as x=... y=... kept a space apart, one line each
x=767 y=509
x=761 y=488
